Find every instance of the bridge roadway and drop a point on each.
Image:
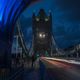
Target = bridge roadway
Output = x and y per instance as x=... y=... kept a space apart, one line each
x=61 y=69
x=54 y=69
x=47 y=68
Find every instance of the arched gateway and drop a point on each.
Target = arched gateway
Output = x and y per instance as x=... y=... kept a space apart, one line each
x=9 y=12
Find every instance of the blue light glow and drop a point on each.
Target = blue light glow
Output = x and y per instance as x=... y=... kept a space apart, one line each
x=9 y=12
x=1 y=9
x=9 y=9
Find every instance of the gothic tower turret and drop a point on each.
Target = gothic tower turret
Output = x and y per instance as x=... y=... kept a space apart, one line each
x=42 y=33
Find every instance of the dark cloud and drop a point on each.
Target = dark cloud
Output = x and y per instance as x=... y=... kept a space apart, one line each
x=68 y=4
x=70 y=9
x=25 y=22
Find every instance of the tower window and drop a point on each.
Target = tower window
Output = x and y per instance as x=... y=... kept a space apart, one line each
x=46 y=19
x=42 y=35
x=37 y=19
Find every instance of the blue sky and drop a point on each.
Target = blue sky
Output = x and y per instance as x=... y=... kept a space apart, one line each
x=66 y=20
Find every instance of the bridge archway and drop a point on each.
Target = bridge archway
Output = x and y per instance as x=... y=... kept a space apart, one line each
x=10 y=10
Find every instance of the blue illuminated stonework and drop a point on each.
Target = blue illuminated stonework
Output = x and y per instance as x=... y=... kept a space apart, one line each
x=9 y=12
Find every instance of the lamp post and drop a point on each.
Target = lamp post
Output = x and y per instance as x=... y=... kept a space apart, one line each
x=42 y=35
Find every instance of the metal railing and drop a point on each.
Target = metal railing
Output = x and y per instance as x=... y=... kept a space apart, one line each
x=16 y=75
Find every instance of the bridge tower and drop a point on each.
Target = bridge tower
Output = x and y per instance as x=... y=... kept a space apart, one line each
x=42 y=33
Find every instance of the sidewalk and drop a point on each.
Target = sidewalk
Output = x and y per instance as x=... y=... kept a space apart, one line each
x=39 y=72
x=31 y=74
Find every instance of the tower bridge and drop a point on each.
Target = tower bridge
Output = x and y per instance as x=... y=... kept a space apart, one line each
x=42 y=31
x=52 y=60
x=42 y=41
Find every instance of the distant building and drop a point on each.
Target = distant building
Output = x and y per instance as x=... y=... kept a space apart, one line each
x=42 y=33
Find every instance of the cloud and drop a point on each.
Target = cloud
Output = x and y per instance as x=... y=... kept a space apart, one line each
x=70 y=9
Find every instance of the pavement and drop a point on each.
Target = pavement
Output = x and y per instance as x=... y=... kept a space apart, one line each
x=31 y=74
x=47 y=68
x=38 y=72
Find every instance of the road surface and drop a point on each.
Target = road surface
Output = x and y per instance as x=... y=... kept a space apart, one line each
x=61 y=69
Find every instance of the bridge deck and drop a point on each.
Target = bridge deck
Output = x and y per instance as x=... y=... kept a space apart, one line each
x=62 y=69
x=51 y=69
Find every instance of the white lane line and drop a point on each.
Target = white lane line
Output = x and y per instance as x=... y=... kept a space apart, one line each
x=64 y=60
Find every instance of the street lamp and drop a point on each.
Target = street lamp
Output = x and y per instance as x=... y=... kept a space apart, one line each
x=42 y=35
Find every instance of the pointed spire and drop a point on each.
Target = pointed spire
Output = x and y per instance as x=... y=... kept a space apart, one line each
x=33 y=14
x=42 y=13
x=50 y=13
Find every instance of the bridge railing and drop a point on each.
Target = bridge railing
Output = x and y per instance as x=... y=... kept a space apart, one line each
x=16 y=74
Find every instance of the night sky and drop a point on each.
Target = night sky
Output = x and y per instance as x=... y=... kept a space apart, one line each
x=66 y=21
